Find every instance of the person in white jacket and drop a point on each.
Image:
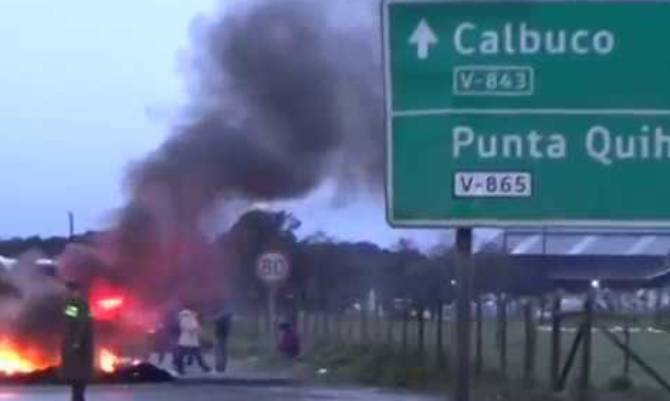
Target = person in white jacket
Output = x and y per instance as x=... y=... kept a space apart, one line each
x=188 y=344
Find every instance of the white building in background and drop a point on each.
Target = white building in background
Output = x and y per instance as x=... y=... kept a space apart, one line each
x=601 y=242
x=44 y=262
x=7 y=263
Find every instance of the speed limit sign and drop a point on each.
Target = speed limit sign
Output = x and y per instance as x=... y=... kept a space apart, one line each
x=273 y=268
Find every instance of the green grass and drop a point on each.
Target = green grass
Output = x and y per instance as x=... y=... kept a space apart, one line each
x=373 y=365
x=376 y=361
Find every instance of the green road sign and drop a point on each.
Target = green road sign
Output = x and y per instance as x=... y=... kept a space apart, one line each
x=528 y=113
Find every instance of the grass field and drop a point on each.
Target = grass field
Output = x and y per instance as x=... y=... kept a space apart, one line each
x=332 y=334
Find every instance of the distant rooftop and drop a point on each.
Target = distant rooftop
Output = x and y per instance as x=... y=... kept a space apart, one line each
x=583 y=242
x=7 y=263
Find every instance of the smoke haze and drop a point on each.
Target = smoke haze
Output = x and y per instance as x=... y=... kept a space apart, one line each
x=284 y=95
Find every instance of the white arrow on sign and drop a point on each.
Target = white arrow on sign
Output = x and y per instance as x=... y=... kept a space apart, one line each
x=423 y=37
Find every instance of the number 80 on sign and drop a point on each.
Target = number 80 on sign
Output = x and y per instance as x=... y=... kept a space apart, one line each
x=272 y=268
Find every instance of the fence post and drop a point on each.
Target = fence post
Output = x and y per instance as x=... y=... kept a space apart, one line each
x=364 y=325
x=440 y=335
x=530 y=337
x=389 y=330
x=405 y=318
x=421 y=331
x=626 y=361
x=327 y=325
x=338 y=326
x=542 y=308
x=502 y=333
x=323 y=321
x=302 y=325
x=377 y=324
x=479 y=341
x=316 y=326
x=658 y=306
x=555 y=359
x=585 y=377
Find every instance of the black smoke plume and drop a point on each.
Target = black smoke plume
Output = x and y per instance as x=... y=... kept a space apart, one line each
x=283 y=97
x=285 y=94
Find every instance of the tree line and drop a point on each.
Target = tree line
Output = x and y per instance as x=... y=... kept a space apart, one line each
x=332 y=276
x=329 y=275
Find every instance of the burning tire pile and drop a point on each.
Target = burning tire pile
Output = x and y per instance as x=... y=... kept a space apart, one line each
x=139 y=373
x=20 y=364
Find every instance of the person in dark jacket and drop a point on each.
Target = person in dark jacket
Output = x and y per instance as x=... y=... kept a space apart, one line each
x=159 y=343
x=77 y=347
x=223 y=322
x=289 y=340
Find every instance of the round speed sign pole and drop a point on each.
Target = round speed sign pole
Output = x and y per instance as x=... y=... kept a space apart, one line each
x=273 y=269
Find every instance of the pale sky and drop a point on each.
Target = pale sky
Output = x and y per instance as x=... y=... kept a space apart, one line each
x=87 y=87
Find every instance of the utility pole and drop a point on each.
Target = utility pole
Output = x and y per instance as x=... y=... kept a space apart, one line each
x=70 y=218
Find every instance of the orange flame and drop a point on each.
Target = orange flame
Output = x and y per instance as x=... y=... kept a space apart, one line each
x=15 y=359
x=11 y=362
x=107 y=360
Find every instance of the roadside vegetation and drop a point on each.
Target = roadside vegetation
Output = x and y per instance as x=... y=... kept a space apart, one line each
x=337 y=355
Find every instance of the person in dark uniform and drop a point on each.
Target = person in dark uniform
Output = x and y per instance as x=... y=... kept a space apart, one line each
x=223 y=321
x=77 y=347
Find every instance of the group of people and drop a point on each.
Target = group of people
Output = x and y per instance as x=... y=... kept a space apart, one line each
x=189 y=347
x=78 y=351
x=181 y=334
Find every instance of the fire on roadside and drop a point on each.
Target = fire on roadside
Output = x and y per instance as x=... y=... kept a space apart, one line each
x=16 y=358
x=110 y=306
x=107 y=361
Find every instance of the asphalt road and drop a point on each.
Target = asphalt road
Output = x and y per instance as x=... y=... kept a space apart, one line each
x=169 y=392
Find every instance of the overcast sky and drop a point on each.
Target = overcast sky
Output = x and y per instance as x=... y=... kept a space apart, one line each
x=86 y=87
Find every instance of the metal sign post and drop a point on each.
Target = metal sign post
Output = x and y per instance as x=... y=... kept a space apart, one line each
x=463 y=313
x=273 y=269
